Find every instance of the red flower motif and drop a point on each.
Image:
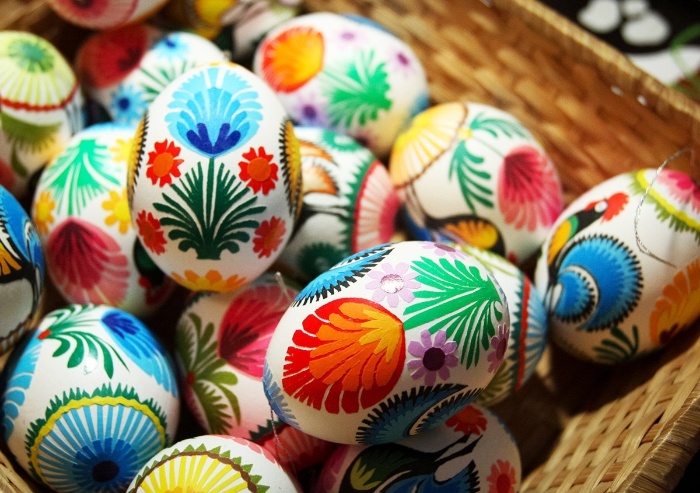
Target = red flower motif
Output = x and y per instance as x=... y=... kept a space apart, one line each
x=150 y=232
x=469 y=420
x=163 y=163
x=268 y=237
x=259 y=170
x=502 y=478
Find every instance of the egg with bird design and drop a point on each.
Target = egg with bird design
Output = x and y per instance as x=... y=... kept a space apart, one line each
x=620 y=271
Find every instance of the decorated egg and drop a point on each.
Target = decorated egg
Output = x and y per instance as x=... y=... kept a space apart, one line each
x=349 y=203
x=123 y=70
x=90 y=397
x=345 y=73
x=389 y=342
x=471 y=173
x=221 y=340
x=473 y=450
x=41 y=107
x=105 y=14
x=81 y=212
x=620 y=271
x=213 y=463
x=528 y=326
x=215 y=178
x=22 y=273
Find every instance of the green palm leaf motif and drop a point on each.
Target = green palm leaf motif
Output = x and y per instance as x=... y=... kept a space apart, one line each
x=73 y=327
x=211 y=380
x=356 y=91
x=459 y=300
x=25 y=136
x=620 y=348
x=210 y=213
x=158 y=77
x=497 y=126
x=80 y=173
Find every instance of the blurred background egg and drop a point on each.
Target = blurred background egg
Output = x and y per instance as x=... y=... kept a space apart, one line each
x=105 y=14
x=471 y=173
x=213 y=463
x=41 y=107
x=472 y=451
x=615 y=288
x=349 y=203
x=81 y=213
x=215 y=178
x=221 y=340
x=345 y=73
x=22 y=272
x=389 y=342
x=528 y=326
x=89 y=397
x=123 y=70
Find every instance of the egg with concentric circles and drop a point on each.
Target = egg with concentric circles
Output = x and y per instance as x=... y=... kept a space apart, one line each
x=215 y=179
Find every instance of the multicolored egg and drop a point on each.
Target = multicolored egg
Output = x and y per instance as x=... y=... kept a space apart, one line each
x=215 y=178
x=81 y=212
x=471 y=173
x=41 y=107
x=528 y=326
x=620 y=271
x=221 y=341
x=22 y=273
x=123 y=70
x=349 y=203
x=345 y=73
x=105 y=14
x=90 y=397
x=389 y=342
x=472 y=451
x=213 y=463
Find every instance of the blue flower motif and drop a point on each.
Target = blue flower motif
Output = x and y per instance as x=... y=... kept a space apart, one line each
x=214 y=111
x=128 y=104
x=138 y=343
x=274 y=395
x=171 y=46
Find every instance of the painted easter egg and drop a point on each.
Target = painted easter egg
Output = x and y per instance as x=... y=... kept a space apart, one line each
x=81 y=212
x=389 y=342
x=213 y=463
x=620 y=271
x=105 y=14
x=90 y=397
x=221 y=340
x=345 y=73
x=123 y=70
x=349 y=203
x=41 y=107
x=472 y=451
x=22 y=273
x=471 y=173
x=528 y=326
x=215 y=178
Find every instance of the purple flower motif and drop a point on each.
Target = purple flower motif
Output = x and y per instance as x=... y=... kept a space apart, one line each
x=433 y=357
x=499 y=344
x=402 y=63
x=309 y=110
x=443 y=249
x=392 y=282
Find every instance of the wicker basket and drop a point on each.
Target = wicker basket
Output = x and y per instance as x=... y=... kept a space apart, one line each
x=580 y=427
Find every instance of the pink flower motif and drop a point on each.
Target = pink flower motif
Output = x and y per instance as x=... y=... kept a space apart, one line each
x=433 y=357
x=392 y=282
x=310 y=110
x=443 y=249
x=499 y=344
x=682 y=187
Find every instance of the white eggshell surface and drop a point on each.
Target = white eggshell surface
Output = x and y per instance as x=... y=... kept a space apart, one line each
x=389 y=342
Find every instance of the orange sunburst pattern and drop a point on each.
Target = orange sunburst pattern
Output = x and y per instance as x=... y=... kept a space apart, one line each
x=348 y=355
x=292 y=58
x=678 y=306
x=430 y=134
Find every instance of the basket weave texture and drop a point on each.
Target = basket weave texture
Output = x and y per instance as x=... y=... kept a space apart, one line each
x=580 y=427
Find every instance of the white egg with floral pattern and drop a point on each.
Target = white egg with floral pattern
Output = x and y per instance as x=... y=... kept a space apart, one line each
x=387 y=343
x=90 y=396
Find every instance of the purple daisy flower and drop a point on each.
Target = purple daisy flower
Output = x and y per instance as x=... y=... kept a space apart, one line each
x=499 y=344
x=434 y=357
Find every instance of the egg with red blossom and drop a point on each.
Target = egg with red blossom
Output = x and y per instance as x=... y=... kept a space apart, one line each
x=105 y=14
x=387 y=343
x=214 y=181
x=472 y=173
